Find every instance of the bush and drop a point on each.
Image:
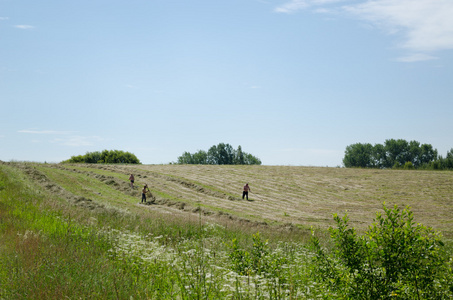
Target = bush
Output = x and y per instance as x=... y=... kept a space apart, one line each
x=396 y=258
x=105 y=157
x=408 y=166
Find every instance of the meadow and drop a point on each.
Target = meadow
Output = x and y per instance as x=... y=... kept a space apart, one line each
x=78 y=231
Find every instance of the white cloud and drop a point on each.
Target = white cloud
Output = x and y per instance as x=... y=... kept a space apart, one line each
x=422 y=25
x=4 y=18
x=426 y=25
x=295 y=5
x=292 y=6
x=32 y=131
x=416 y=57
x=24 y=26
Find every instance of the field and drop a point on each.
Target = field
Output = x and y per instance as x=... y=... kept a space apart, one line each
x=280 y=196
x=284 y=203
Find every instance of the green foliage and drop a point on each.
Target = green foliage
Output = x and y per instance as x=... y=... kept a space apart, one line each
x=222 y=154
x=105 y=157
x=395 y=259
x=408 y=166
x=259 y=260
x=393 y=154
x=358 y=155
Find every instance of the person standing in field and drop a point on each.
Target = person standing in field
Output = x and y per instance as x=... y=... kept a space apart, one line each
x=245 y=193
x=132 y=179
x=144 y=193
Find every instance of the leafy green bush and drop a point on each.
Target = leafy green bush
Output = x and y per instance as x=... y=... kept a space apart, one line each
x=408 y=166
x=105 y=157
x=260 y=260
x=396 y=258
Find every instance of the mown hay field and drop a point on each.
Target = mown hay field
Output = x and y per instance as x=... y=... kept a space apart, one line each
x=281 y=196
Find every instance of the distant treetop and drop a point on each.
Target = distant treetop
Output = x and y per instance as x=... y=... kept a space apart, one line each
x=105 y=157
x=222 y=154
x=396 y=154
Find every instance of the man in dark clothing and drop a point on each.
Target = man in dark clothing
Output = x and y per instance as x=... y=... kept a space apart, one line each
x=245 y=193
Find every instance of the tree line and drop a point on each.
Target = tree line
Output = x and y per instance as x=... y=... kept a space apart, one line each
x=105 y=157
x=222 y=154
x=396 y=154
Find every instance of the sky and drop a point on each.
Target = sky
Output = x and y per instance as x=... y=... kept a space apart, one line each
x=293 y=82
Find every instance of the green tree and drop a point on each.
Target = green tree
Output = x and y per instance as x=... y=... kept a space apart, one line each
x=221 y=154
x=251 y=160
x=213 y=156
x=185 y=158
x=200 y=157
x=449 y=160
x=239 y=157
x=397 y=152
x=427 y=154
x=358 y=155
x=379 y=156
x=393 y=154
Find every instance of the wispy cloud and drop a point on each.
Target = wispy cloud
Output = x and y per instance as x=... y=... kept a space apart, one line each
x=65 y=138
x=33 y=131
x=77 y=141
x=4 y=18
x=24 y=26
x=416 y=57
x=427 y=25
x=296 y=5
x=423 y=26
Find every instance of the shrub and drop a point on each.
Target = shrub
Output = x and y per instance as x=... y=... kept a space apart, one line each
x=105 y=157
x=260 y=260
x=408 y=166
x=395 y=258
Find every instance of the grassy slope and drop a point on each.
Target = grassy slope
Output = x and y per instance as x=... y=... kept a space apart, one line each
x=303 y=196
x=77 y=231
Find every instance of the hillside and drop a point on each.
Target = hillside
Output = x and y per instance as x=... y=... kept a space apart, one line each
x=283 y=196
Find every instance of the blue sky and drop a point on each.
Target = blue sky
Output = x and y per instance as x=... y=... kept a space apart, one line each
x=292 y=82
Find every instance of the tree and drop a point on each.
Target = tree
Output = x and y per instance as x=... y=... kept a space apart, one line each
x=427 y=154
x=239 y=157
x=397 y=151
x=449 y=159
x=221 y=154
x=200 y=157
x=379 y=156
x=185 y=158
x=393 y=154
x=358 y=155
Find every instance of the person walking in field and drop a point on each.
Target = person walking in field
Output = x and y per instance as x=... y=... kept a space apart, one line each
x=132 y=179
x=245 y=193
x=145 y=188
